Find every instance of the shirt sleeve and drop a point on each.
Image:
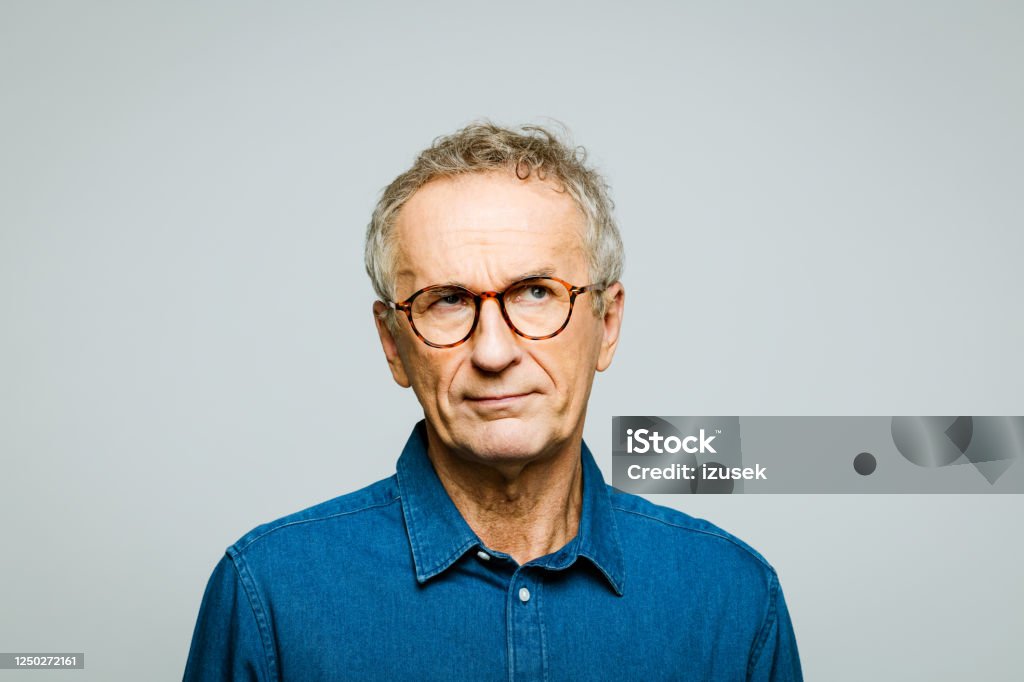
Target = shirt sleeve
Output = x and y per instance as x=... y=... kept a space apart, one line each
x=227 y=643
x=775 y=658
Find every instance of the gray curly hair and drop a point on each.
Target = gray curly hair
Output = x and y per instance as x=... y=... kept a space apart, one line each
x=481 y=147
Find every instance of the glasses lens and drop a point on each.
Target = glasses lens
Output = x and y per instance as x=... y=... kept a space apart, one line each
x=443 y=315
x=537 y=307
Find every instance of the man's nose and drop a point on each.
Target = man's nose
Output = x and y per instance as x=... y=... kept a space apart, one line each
x=495 y=346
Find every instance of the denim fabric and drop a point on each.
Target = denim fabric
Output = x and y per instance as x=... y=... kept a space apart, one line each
x=390 y=583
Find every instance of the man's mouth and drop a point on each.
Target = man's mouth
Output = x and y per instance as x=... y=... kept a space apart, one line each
x=497 y=399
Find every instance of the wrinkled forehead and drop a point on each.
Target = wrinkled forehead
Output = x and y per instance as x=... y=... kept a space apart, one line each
x=484 y=231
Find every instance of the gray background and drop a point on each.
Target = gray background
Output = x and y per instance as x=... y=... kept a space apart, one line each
x=821 y=205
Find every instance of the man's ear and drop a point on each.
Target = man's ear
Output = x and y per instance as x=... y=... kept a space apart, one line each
x=614 y=303
x=390 y=346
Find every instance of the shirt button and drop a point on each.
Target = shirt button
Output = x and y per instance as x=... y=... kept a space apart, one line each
x=524 y=595
x=484 y=556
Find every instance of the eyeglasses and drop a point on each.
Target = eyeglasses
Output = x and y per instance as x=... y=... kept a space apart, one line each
x=536 y=308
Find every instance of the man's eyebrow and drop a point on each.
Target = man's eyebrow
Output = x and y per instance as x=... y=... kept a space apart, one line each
x=546 y=271
x=451 y=283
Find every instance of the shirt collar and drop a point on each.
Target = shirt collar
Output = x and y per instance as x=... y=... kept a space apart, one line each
x=439 y=535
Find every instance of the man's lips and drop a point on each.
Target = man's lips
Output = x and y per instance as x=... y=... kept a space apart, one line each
x=497 y=398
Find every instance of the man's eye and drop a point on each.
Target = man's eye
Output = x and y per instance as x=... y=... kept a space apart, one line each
x=538 y=292
x=449 y=301
x=532 y=293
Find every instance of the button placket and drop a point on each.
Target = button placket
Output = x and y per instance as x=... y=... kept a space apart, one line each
x=526 y=654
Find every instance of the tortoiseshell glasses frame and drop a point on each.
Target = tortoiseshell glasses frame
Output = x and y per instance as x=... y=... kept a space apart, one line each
x=572 y=291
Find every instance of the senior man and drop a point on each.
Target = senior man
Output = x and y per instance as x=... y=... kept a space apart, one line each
x=497 y=551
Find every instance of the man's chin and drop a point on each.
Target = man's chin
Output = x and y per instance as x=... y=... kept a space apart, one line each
x=508 y=439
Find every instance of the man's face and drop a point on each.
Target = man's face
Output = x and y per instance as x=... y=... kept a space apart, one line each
x=498 y=397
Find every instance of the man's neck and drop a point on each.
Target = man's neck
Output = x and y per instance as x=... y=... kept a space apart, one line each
x=525 y=512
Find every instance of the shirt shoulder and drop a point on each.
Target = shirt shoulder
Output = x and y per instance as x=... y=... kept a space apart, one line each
x=355 y=509
x=665 y=530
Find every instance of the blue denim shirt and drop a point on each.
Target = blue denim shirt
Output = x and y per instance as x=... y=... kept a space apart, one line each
x=390 y=583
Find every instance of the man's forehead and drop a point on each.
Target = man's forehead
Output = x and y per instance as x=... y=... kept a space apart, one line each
x=492 y=226
x=488 y=262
